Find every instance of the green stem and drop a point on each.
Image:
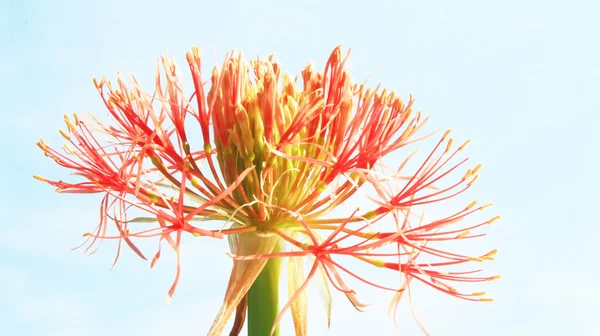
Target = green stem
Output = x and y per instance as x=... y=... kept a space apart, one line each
x=263 y=299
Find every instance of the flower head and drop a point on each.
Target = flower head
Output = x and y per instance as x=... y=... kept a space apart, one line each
x=274 y=161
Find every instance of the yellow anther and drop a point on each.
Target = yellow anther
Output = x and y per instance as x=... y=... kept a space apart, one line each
x=354 y=176
x=486 y=299
x=495 y=277
x=488 y=258
x=196 y=183
x=70 y=126
x=471 y=205
x=475 y=259
x=321 y=187
x=64 y=134
x=87 y=234
x=369 y=215
x=486 y=206
x=156 y=161
x=473 y=180
x=463 y=234
x=186 y=147
x=76 y=119
x=153 y=197
x=384 y=93
x=371 y=234
x=102 y=81
x=39 y=178
x=446 y=135
x=492 y=252
x=450 y=142
x=378 y=263
x=476 y=169
x=68 y=149
x=392 y=96
x=478 y=293
x=467 y=174
x=493 y=220
x=463 y=145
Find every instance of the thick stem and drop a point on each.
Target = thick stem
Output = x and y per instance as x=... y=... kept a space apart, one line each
x=263 y=299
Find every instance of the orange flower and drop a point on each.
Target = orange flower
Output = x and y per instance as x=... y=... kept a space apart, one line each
x=274 y=164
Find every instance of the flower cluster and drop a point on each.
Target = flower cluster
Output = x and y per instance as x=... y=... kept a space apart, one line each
x=271 y=159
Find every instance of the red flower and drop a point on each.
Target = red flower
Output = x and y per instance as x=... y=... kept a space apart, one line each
x=274 y=163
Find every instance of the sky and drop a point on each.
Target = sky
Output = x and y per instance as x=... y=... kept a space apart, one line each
x=518 y=78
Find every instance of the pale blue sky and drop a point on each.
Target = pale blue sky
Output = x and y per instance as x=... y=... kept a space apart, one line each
x=519 y=78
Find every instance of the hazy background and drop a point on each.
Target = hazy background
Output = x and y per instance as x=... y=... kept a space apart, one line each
x=519 y=78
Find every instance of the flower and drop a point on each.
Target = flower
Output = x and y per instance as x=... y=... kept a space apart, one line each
x=274 y=164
